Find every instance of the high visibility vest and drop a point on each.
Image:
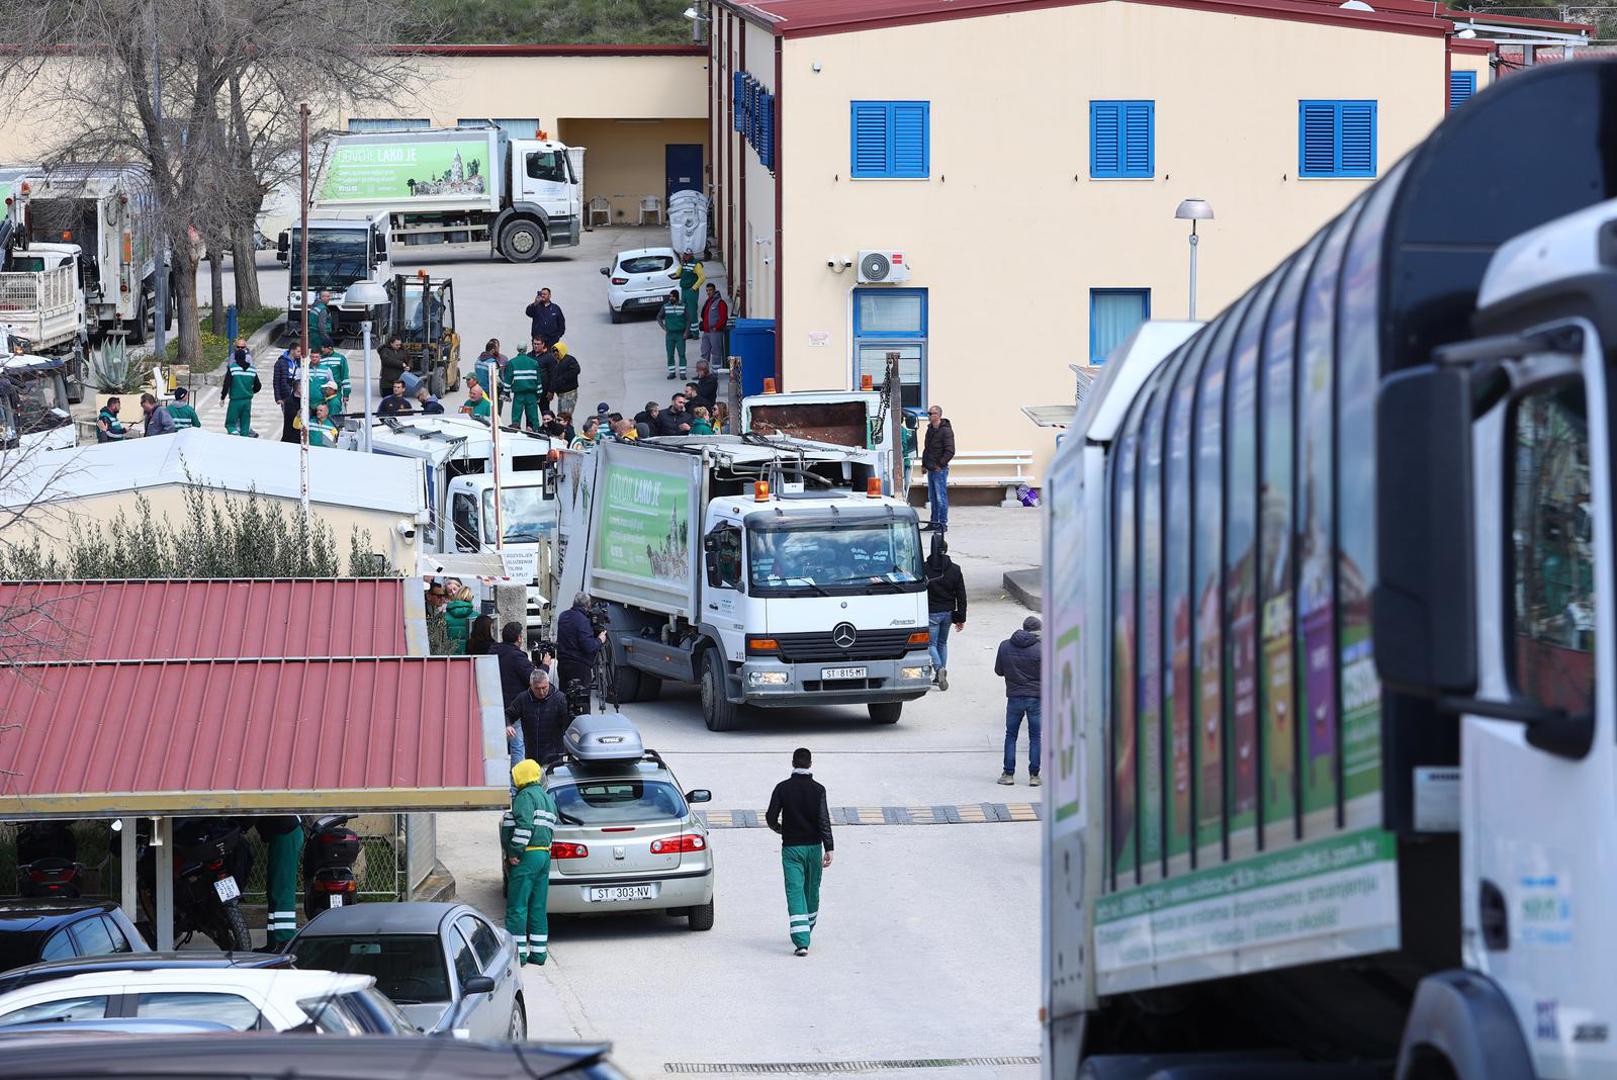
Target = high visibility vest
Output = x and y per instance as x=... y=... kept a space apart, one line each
x=522 y=374
x=242 y=380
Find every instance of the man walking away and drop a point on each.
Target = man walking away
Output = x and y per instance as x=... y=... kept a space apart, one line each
x=288 y=370
x=576 y=643
x=241 y=383
x=541 y=712
x=673 y=320
x=184 y=416
x=1020 y=662
x=515 y=667
x=945 y=605
x=935 y=457
x=715 y=318
x=566 y=385
x=283 y=845
x=548 y=321
x=158 y=421
x=527 y=849
x=798 y=811
x=521 y=378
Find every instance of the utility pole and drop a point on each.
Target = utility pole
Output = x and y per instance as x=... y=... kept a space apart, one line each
x=160 y=316
x=303 y=322
x=895 y=424
x=494 y=440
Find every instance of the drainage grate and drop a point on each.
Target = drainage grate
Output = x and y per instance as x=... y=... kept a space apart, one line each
x=823 y=1067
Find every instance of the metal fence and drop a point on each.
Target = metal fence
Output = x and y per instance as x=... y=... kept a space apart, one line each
x=49 y=292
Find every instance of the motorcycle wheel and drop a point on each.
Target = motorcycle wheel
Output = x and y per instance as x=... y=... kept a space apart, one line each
x=230 y=933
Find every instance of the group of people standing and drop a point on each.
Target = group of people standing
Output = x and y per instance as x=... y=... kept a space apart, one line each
x=682 y=321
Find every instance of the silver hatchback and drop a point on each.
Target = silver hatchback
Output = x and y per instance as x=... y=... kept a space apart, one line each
x=628 y=841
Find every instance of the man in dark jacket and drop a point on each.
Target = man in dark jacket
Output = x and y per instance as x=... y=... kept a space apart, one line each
x=945 y=605
x=576 y=643
x=798 y=811
x=936 y=454
x=674 y=420
x=394 y=360
x=565 y=382
x=548 y=360
x=515 y=667
x=543 y=716
x=707 y=384
x=288 y=370
x=1020 y=662
x=548 y=321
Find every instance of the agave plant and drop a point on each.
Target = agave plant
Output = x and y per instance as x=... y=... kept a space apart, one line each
x=114 y=370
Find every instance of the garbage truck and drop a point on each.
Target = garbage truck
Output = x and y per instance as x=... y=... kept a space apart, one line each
x=769 y=572
x=1330 y=727
x=344 y=249
x=462 y=187
x=42 y=306
x=857 y=418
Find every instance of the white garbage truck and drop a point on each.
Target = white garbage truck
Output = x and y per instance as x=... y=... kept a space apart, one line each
x=1329 y=597
x=42 y=307
x=344 y=249
x=769 y=572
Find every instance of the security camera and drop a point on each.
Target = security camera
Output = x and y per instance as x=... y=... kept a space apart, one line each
x=406 y=529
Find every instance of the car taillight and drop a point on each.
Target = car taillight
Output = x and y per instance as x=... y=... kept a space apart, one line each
x=682 y=842
x=620 y=281
x=921 y=637
x=563 y=850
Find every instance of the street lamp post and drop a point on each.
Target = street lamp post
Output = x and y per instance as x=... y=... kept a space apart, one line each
x=1193 y=210
x=369 y=295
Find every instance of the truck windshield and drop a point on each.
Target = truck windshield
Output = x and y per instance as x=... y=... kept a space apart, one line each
x=833 y=558
x=42 y=400
x=337 y=258
x=528 y=518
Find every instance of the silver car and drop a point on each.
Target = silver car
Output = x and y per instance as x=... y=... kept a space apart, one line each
x=628 y=841
x=447 y=966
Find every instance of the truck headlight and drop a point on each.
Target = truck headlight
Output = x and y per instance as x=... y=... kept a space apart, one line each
x=922 y=672
x=768 y=678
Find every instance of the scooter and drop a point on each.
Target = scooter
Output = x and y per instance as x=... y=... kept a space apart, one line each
x=47 y=860
x=210 y=862
x=329 y=853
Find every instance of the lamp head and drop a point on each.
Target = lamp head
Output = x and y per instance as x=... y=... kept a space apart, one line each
x=1194 y=210
x=365 y=294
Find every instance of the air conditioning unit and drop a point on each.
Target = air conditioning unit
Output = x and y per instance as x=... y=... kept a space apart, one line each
x=883 y=268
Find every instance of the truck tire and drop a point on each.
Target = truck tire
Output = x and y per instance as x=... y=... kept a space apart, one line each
x=718 y=711
x=522 y=241
x=885 y=712
x=628 y=682
x=651 y=687
x=137 y=325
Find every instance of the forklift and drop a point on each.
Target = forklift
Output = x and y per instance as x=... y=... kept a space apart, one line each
x=421 y=313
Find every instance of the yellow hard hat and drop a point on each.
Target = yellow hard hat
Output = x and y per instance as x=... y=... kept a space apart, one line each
x=525 y=772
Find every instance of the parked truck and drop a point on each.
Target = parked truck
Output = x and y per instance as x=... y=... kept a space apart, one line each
x=1328 y=683
x=767 y=571
x=343 y=251
x=34 y=411
x=42 y=305
x=846 y=417
x=462 y=187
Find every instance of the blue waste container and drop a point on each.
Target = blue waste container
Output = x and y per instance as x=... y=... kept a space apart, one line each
x=754 y=341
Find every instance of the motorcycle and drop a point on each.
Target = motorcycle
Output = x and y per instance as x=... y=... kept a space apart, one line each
x=210 y=863
x=329 y=854
x=47 y=861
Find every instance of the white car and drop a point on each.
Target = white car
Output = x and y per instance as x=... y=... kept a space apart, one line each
x=640 y=280
x=244 y=999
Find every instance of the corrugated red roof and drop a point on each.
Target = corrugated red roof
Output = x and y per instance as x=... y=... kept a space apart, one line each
x=218 y=619
x=181 y=737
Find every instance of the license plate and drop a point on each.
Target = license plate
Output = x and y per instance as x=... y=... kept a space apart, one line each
x=618 y=893
x=842 y=673
x=336 y=900
x=227 y=888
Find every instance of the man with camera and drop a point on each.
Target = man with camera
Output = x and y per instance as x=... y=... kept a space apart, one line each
x=577 y=642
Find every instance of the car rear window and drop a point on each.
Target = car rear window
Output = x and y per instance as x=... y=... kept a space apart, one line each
x=17 y=949
x=645 y=264
x=613 y=802
x=409 y=968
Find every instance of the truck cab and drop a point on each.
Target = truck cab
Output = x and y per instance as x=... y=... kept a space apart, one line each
x=35 y=415
x=342 y=252
x=544 y=176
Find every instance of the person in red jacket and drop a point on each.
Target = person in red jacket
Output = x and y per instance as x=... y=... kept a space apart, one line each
x=715 y=317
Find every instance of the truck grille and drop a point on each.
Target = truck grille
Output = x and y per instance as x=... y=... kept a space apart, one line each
x=818 y=647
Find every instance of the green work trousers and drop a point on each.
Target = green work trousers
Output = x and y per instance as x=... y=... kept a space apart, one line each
x=239 y=417
x=526 y=897
x=281 y=885
x=691 y=320
x=801 y=862
x=525 y=407
x=675 y=342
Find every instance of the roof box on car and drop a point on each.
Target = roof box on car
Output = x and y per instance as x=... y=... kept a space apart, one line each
x=603 y=737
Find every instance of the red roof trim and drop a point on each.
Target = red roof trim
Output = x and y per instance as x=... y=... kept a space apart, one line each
x=1466 y=45
x=450 y=49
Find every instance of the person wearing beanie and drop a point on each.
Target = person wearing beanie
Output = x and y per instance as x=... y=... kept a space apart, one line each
x=184 y=416
x=1021 y=664
x=525 y=837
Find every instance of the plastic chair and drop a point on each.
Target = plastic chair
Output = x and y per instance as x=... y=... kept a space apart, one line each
x=653 y=205
x=599 y=206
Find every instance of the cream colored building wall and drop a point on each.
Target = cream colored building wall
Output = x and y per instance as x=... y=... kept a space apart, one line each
x=1470 y=61
x=1009 y=233
x=624 y=160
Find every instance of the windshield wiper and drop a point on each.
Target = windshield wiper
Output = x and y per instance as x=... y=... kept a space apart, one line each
x=567 y=819
x=520 y=537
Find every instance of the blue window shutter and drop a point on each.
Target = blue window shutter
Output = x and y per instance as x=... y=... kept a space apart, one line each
x=737 y=83
x=870 y=133
x=1357 y=138
x=1317 y=138
x=1105 y=139
x=1139 y=153
x=911 y=139
x=1462 y=85
x=766 y=141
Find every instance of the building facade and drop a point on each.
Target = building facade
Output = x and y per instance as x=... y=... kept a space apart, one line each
x=1020 y=163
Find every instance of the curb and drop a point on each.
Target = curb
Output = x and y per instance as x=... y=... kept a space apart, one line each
x=264 y=337
x=1026 y=587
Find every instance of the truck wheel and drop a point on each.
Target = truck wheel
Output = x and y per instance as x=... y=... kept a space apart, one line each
x=137 y=326
x=885 y=712
x=436 y=382
x=718 y=711
x=522 y=241
x=701 y=918
x=627 y=681
x=651 y=687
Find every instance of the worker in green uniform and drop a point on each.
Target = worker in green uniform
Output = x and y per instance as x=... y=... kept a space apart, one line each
x=798 y=811
x=182 y=412
x=690 y=285
x=241 y=383
x=283 y=846
x=321 y=322
x=476 y=404
x=526 y=843
x=675 y=320
x=521 y=378
x=322 y=429
x=336 y=365
x=319 y=379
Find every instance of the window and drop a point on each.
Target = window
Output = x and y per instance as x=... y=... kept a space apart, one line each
x=1336 y=139
x=844 y=559
x=409 y=968
x=1462 y=86
x=891 y=139
x=1207 y=596
x=1178 y=683
x=892 y=320
x=1552 y=549
x=73 y=1008
x=120 y=943
x=465 y=515
x=1240 y=545
x=59 y=947
x=90 y=937
x=527 y=128
x=359 y=124
x=619 y=802
x=230 y=1009
x=466 y=966
x=725 y=570
x=550 y=165
x=646 y=264
x=1122 y=140
x=1114 y=314
x=482 y=938
x=1125 y=651
x=1149 y=695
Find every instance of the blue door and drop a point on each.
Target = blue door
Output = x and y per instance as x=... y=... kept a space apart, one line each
x=683 y=163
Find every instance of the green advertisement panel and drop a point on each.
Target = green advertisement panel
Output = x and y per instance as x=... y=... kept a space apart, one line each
x=645 y=526
x=454 y=169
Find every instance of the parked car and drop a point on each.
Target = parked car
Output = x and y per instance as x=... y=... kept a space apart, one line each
x=252 y=1057
x=146 y=961
x=245 y=999
x=121 y=1025
x=54 y=929
x=639 y=280
x=446 y=966
x=628 y=840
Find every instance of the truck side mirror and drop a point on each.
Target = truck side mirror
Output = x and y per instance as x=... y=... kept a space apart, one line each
x=1424 y=604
